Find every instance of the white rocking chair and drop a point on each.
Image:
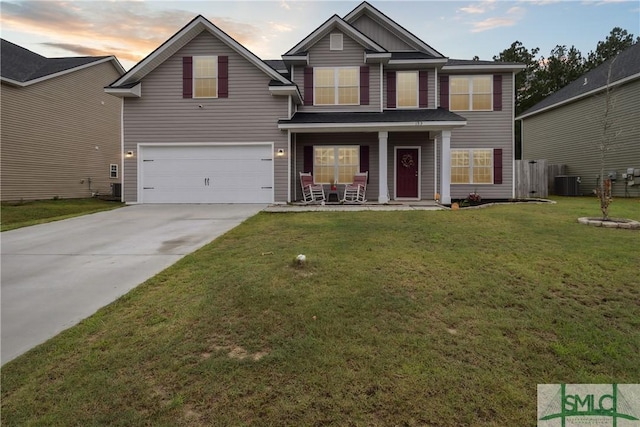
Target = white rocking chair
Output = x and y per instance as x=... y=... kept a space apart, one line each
x=310 y=191
x=356 y=191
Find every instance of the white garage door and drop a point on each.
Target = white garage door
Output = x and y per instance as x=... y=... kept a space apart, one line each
x=206 y=174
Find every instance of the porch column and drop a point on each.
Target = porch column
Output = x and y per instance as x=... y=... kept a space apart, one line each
x=445 y=168
x=382 y=167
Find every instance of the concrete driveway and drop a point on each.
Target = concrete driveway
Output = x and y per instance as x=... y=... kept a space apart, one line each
x=56 y=274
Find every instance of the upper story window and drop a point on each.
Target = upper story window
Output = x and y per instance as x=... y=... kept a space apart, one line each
x=205 y=76
x=335 y=42
x=471 y=93
x=407 y=89
x=336 y=86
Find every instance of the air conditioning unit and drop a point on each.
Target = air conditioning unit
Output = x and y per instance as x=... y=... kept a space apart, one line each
x=564 y=185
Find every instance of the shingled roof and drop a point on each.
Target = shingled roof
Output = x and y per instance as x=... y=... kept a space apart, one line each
x=20 y=65
x=626 y=67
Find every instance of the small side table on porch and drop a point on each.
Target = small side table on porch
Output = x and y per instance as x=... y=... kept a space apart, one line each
x=335 y=193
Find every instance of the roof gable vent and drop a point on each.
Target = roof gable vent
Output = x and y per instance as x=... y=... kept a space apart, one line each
x=335 y=41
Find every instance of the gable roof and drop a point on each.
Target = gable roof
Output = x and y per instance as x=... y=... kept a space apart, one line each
x=179 y=40
x=626 y=67
x=366 y=9
x=329 y=25
x=22 y=67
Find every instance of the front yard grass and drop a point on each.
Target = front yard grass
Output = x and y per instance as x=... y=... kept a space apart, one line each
x=22 y=214
x=447 y=318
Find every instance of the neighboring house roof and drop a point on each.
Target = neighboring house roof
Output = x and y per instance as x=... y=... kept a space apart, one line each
x=179 y=40
x=21 y=67
x=626 y=67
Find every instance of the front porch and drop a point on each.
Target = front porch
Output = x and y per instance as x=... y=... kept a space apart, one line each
x=422 y=205
x=406 y=153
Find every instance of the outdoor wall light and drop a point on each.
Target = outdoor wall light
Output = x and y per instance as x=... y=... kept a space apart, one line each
x=280 y=152
x=129 y=154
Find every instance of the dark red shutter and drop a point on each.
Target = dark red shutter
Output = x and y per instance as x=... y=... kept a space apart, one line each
x=223 y=76
x=497 y=92
x=308 y=159
x=364 y=160
x=423 y=84
x=187 y=77
x=308 y=86
x=391 y=89
x=444 y=92
x=497 y=166
x=364 y=85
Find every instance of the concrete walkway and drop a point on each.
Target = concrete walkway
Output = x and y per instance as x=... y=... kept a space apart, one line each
x=56 y=274
x=396 y=206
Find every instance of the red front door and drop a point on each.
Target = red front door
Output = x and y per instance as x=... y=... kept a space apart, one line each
x=407 y=160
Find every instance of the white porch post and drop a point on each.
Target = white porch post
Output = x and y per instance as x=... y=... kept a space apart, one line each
x=382 y=167
x=445 y=167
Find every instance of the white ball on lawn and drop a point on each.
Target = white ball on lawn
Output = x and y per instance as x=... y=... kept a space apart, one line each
x=301 y=258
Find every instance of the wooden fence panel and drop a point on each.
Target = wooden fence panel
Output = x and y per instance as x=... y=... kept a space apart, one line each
x=531 y=179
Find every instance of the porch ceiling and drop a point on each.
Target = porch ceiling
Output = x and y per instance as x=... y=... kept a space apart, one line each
x=389 y=120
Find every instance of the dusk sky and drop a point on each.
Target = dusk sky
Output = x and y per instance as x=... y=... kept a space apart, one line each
x=458 y=29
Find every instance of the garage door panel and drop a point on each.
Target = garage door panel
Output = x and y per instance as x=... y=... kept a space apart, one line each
x=207 y=174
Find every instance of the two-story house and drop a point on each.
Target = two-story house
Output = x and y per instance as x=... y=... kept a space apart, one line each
x=207 y=121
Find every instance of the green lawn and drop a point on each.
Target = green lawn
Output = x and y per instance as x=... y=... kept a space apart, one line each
x=442 y=318
x=22 y=214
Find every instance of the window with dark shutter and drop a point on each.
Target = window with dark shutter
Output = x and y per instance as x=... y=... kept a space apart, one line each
x=391 y=89
x=364 y=85
x=223 y=76
x=497 y=92
x=187 y=77
x=423 y=94
x=444 y=92
x=497 y=166
x=308 y=87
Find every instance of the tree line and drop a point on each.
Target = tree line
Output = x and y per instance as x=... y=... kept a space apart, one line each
x=546 y=75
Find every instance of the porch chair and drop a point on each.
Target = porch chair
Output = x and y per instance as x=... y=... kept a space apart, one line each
x=310 y=191
x=356 y=191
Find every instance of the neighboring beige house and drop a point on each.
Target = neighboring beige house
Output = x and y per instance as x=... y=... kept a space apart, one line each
x=60 y=132
x=207 y=121
x=566 y=127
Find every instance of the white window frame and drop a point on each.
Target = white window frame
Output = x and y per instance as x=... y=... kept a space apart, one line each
x=417 y=90
x=336 y=41
x=336 y=85
x=113 y=168
x=193 y=76
x=470 y=90
x=471 y=152
x=336 y=163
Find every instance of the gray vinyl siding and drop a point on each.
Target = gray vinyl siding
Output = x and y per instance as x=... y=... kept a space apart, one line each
x=569 y=135
x=488 y=129
x=162 y=115
x=431 y=87
x=60 y=134
x=370 y=139
x=413 y=139
x=380 y=34
x=352 y=55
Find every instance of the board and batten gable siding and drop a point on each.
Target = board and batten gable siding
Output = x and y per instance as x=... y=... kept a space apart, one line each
x=249 y=115
x=431 y=87
x=569 y=135
x=488 y=129
x=58 y=133
x=309 y=139
x=413 y=139
x=380 y=34
x=352 y=55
